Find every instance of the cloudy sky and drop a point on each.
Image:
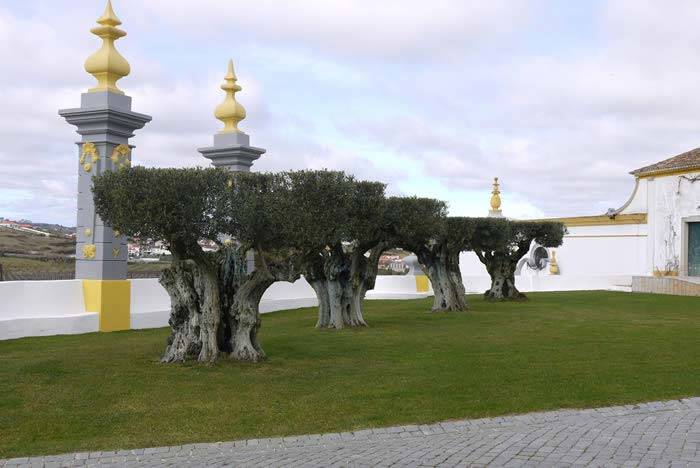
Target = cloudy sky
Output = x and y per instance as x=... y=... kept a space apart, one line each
x=559 y=98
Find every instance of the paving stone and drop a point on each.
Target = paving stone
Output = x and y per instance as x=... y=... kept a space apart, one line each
x=649 y=434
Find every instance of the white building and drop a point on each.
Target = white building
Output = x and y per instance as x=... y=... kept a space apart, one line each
x=655 y=233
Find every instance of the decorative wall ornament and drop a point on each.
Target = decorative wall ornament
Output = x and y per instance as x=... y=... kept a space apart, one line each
x=89 y=251
x=88 y=232
x=117 y=233
x=120 y=156
x=553 y=264
x=116 y=251
x=535 y=260
x=89 y=149
x=87 y=167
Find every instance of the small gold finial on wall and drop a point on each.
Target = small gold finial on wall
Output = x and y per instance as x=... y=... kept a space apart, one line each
x=107 y=65
x=230 y=112
x=496 y=195
x=553 y=265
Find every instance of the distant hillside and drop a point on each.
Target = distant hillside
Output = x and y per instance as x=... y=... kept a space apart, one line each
x=14 y=242
x=54 y=228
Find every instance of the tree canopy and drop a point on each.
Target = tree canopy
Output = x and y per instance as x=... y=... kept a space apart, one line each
x=501 y=243
x=325 y=224
x=177 y=206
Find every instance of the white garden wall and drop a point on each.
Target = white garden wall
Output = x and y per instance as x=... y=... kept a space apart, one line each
x=40 y=308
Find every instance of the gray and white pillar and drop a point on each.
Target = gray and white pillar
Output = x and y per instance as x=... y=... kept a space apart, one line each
x=106 y=122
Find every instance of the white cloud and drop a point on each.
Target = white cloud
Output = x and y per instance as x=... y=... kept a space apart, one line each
x=366 y=28
x=435 y=98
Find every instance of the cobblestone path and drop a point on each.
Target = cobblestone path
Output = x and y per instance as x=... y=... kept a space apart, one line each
x=650 y=434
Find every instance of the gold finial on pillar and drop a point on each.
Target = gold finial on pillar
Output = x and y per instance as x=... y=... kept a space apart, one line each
x=496 y=195
x=107 y=64
x=230 y=112
x=495 y=211
x=553 y=265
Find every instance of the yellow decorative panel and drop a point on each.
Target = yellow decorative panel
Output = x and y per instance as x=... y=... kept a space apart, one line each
x=111 y=299
x=422 y=283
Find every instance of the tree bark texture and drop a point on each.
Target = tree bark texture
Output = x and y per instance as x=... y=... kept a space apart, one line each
x=442 y=268
x=195 y=312
x=341 y=279
x=501 y=268
x=215 y=306
x=244 y=314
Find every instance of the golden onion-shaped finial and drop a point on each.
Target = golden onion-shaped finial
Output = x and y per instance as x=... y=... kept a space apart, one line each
x=496 y=195
x=230 y=112
x=107 y=64
x=553 y=264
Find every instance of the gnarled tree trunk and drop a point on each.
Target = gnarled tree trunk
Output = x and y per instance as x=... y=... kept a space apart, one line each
x=245 y=317
x=215 y=306
x=341 y=281
x=363 y=272
x=329 y=275
x=324 y=307
x=195 y=312
x=445 y=277
x=244 y=313
x=314 y=275
x=501 y=267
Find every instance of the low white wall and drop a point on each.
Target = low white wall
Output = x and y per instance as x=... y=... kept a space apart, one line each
x=588 y=251
x=395 y=287
x=37 y=308
x=32 y=299
x=150 y=304
x=533 y=283
x=41 y=308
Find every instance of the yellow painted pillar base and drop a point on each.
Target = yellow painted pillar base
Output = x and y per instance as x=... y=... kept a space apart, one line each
x=111 y=299
x=422 y=284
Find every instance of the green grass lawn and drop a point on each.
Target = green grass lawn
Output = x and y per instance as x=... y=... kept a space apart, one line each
x=583 y=349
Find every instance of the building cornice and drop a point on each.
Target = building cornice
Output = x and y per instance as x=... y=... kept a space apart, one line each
x=668 y=172
x=603 y=220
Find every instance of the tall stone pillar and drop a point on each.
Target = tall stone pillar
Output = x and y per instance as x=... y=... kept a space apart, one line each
x=105 y=122
x=231 y=148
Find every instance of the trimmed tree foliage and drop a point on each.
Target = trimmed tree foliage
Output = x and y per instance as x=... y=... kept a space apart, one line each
x=421 y=226
x=342 y=241
x=214 y=298
x=501 y=243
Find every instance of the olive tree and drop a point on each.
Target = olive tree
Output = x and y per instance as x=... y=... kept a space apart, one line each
x=422 y=226
x=214 y=295
x=255 y=214
x=342 y=219
x=501 y=243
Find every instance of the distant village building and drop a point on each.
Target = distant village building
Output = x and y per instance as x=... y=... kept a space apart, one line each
x=392 y=262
